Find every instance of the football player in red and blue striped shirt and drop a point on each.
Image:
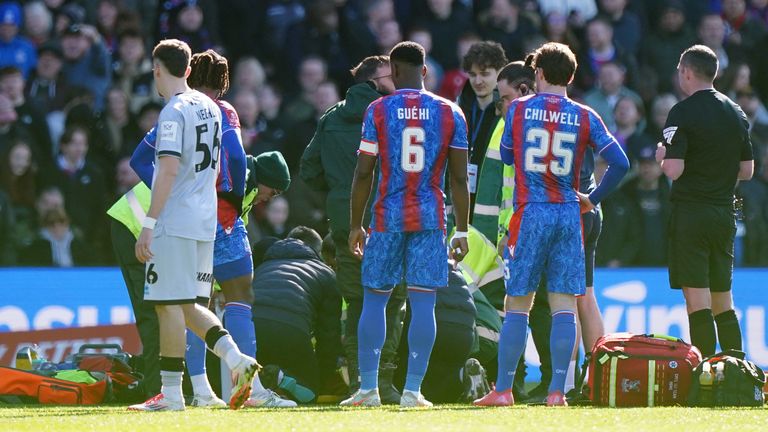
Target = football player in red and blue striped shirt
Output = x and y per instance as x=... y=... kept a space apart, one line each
x=412 y=134
x=546 y=137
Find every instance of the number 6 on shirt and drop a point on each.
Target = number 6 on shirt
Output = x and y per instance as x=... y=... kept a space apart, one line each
x=412 y=156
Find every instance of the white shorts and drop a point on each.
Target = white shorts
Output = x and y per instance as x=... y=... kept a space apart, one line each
x=180 y=272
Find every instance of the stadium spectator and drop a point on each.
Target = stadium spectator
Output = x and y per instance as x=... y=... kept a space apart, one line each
x=608 y=89
x=251 y=123
x=735 y=78
x=46 y=88
x=15 y=50
x=454 y=79
x=578 y=12
x=759 y=8
x=274 y=222
x=57 y=244
x=249 y=75
x=648 y=194
x=192 y=21
x=447 y=21
x=312 y=71
x=270 y=101
x=122 y=131
x=147 y=116
x=18 y=181
x=503 y=23
x=86 y=61
x=435 y=72
x=296 y=300
x=660 y=108
x=112 y=19
x=555 y=28
x=38 y=22
x=627 y=29
x=598 y=51
x=325 y=36
x=629 y=115
x=755 y=194
x=388 y=36
x=743 y=29
x=132 y=70
x=661 y=48
x=711 y=33
x=126 y=177
x=622 y=229
x=10 y=127
x=66 y=15
x=82 y=184
x=12 y=86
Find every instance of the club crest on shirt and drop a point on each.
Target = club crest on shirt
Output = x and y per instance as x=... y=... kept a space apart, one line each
x=168 y=131
x=669 y=133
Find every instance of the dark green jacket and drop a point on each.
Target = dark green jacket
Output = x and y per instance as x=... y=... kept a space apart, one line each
x=329 y=161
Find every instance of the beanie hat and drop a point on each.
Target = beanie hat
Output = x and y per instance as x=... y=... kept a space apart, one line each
x=10 y=13
x=271 y=170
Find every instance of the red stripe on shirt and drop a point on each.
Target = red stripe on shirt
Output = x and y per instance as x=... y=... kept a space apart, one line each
x=521 y=185
x=554 y=195
x=447 y=127
x=379 y=119
x=581 y=146
x=411 y=204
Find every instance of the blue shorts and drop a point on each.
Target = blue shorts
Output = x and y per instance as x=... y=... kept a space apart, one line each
x=420 y=256
x=232 y=253
x=545 y=239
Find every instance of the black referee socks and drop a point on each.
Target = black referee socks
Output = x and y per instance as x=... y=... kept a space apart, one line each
x=728 y=331
x=702 y=326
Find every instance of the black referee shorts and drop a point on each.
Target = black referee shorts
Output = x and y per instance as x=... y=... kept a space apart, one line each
x=701 y=246
x=591 y=223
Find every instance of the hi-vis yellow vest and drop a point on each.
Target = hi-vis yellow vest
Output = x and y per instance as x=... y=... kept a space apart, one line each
x=131 y=208
x=482 y=264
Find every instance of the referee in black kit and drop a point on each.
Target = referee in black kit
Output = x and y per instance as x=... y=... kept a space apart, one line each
x=706 y=149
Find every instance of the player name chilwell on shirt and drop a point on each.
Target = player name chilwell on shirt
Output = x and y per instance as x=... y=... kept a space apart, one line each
x=552 y=116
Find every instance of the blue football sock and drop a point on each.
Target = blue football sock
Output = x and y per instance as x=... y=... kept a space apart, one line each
x=371 y=331
x=514 y=334
x=561 y=342
x=195 y=355
x=239 y=323
x=421 y=336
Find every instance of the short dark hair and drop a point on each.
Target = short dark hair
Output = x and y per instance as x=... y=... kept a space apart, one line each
x=408 y=52
x=329 y=246
x=485 y=54
x=70 y=132
x=174 y=54
x=150 y=106
x=308 y=236
x=556 y=61
x=701 y=60
x=517 y=71
x=367 y=68
x=9 y=71
x=130 y=33
x=209 y=69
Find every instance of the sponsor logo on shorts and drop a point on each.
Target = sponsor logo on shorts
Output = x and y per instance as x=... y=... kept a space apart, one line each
x=204 y=277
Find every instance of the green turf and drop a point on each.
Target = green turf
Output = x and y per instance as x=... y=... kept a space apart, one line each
x=443 y=419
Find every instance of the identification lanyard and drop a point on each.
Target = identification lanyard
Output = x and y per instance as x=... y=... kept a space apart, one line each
x=476 y=125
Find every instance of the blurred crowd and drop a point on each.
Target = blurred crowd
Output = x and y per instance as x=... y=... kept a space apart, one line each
x=77 y=96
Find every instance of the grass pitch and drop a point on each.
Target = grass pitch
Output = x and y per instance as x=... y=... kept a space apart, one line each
x=443 y=418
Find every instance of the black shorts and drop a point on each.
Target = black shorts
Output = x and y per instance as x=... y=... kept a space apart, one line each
x=591 y=224
x=701 y=246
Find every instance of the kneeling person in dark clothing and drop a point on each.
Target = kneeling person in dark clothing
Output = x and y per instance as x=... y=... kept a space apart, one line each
x=451 y=371
x=295 y=300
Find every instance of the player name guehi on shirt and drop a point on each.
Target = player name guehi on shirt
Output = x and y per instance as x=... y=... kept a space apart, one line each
x=552 y=116
x=413 y=113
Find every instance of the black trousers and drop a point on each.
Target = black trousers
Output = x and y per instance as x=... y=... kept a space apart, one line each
x=123 y=245
x=291 y=349
x=442 y=383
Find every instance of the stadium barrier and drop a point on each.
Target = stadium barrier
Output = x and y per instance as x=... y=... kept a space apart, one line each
x=34 y=300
